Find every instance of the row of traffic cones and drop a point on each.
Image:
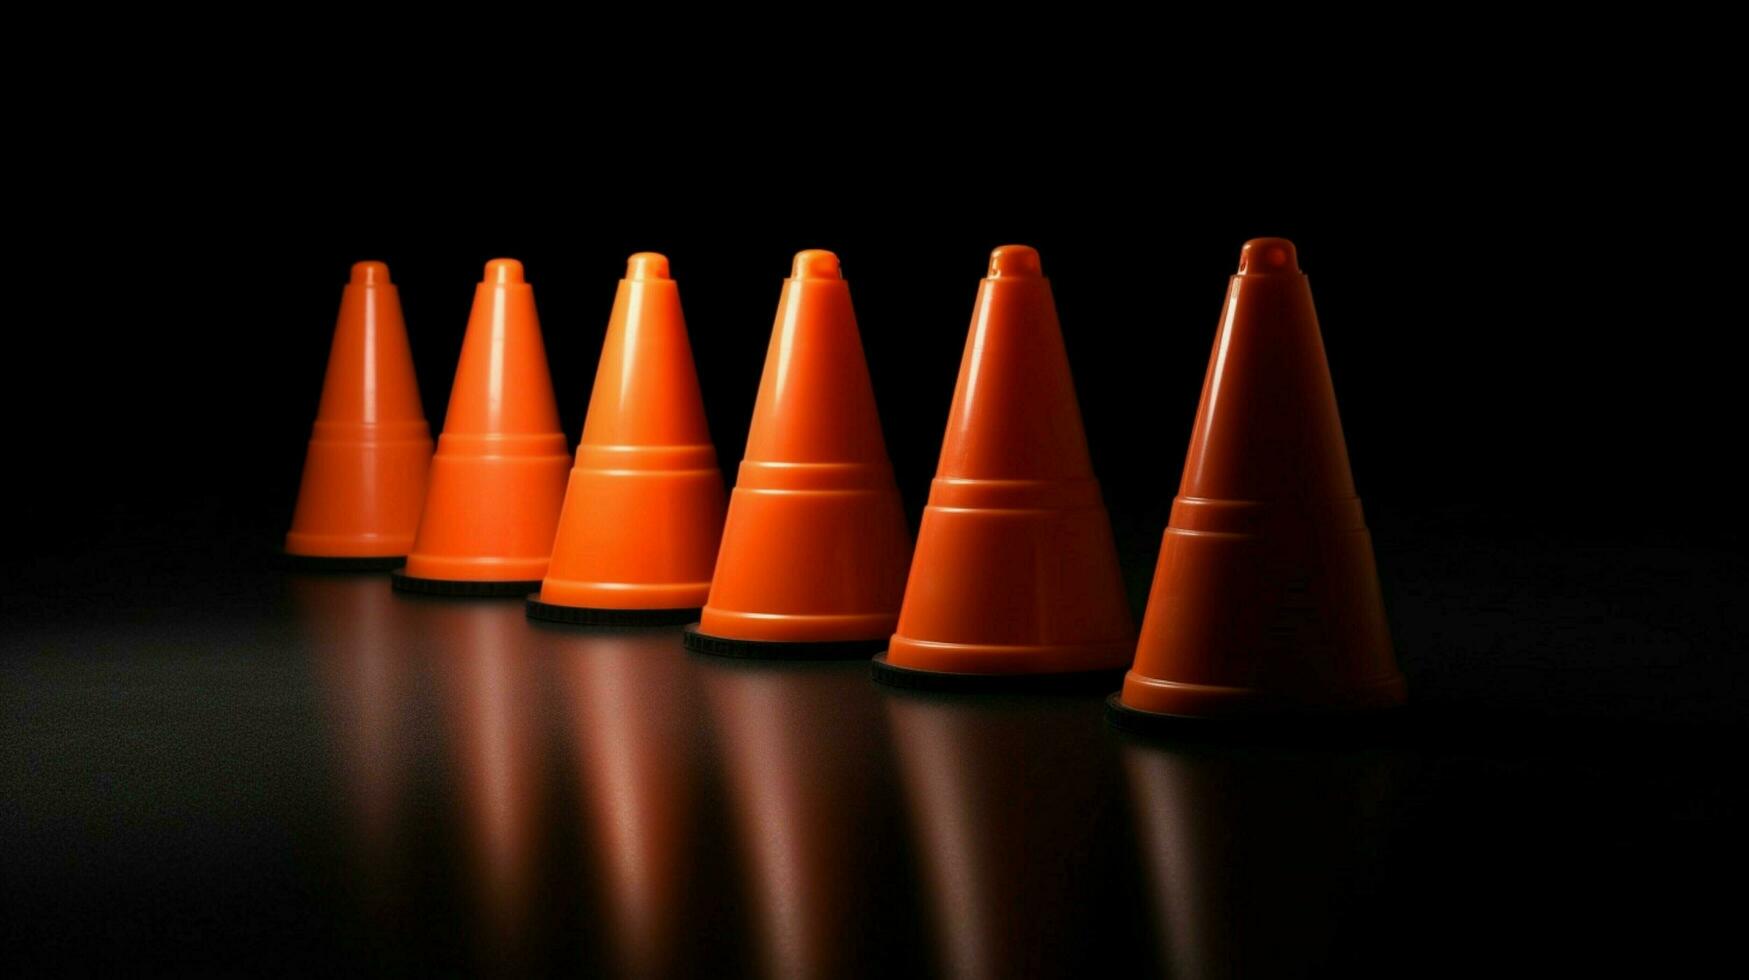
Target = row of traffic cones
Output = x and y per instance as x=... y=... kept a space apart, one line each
x=1265 y=600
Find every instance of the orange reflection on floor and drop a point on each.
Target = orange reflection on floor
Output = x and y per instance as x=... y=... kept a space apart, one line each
x=1003 y=796
x=1252 y=852
x=801 y=746
x=351 y=623
x=635 y=715
x=491 y=703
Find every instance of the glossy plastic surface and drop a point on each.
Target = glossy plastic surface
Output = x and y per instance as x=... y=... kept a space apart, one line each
x=1015 y=570
x=815 y=546
x=1265 y=599
x=364 y=474
x=499 y=474
x=644 y=511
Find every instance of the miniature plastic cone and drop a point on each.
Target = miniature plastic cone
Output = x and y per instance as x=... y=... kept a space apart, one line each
x=364 y=475
x=1265 y=600
x=815 y=547
x=1015 y=573
x=643 y=515
x=499 y=474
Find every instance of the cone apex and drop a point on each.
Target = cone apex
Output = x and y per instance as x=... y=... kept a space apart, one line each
x=1014 y=262
x=1262 y=256
x=504 y=272
x=816 y=263
x=370 y=274
x=647 y=265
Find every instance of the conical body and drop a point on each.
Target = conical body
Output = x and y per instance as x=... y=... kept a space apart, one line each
x=499 y=474
x=815 y=547
x=643 y=513
x=370 y=449
x=1265 y=598
x=1015 y=570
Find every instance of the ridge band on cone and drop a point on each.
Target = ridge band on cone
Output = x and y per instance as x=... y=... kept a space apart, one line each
x=499 y=474
x=364 y=473
x=1015 y=581
x=814 y=550
x=643 y=514
x=1265 y=600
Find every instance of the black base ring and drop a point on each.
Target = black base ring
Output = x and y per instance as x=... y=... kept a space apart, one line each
x=590 y=616
x=723 y=646
x=325 y=563
x=459 y=589
x=940 y=680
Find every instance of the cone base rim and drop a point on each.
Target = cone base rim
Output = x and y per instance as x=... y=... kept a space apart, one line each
x=550 y=612
x=462 y=588
x=1298 y=725
x=341 y=564
x=725 y=646
x=915 y=679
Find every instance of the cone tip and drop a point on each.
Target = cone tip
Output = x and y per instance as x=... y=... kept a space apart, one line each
x=370 y=274
x=647 y=265
x=816 y=263
x=1261 y=256
x=1014 y=261
x=503 y=272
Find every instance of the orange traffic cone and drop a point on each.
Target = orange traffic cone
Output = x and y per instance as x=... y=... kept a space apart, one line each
x=644 y=513
x=814 y=551
x=364 y=476
x=1265 y=600
x=1015 y=581
x=499 y=474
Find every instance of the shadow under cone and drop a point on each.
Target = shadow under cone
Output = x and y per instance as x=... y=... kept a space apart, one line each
x=815 y=547
x=499 y=474
x=1015 y=572
x=364 y=475
x=643 y=515
x=1265 y=599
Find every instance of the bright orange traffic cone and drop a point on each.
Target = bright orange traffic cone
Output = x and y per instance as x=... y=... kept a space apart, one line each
x=364 y=475
x=499 y=474
x=814 y=550
x=639 y=530
x=1265 y=600
x=1015 y=581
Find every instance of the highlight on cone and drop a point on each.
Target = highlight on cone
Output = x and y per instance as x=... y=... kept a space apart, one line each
x=498 y=477
x=815 y=548
x=1015 y=577
x=638 y=532
x=364 y=472
x=1265 y=600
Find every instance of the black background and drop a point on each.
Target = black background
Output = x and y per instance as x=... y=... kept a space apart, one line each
x=1532 y=348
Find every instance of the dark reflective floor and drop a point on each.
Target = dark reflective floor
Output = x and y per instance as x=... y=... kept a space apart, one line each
x=315 y=773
